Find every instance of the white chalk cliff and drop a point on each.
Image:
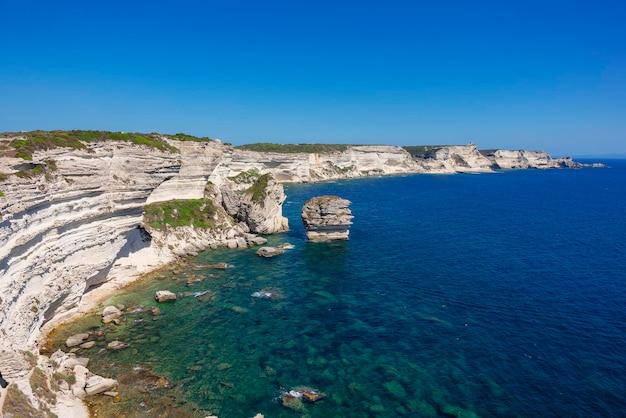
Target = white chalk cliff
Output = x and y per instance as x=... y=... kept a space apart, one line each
x=76 y=221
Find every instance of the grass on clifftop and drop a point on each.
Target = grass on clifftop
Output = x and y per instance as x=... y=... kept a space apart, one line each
x=198 y=213
x=294 y=148
x=28 y=142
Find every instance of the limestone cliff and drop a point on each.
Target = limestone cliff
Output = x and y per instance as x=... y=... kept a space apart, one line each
x=73 y=219
x=355 y=161
x=458 y=159
x=529 y=159
x=260 y=206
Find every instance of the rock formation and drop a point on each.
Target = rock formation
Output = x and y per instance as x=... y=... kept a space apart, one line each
x=457 y=159
x=327 y=218
x=164 y=296
x=261 y=206
x=269 y=252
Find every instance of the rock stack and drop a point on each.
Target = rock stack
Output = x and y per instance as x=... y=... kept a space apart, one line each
x=327 y=218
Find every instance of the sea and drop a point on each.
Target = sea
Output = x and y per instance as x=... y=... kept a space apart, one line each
x=468 y=295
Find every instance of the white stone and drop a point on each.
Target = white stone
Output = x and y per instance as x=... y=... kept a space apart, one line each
x=164 y=296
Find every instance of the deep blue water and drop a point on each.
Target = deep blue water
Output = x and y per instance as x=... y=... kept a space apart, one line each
x=457 y=295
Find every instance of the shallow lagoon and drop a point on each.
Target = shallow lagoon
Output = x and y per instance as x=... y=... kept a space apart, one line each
x=465 y=295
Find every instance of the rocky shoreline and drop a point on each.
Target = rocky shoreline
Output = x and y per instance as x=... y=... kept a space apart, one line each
x=73 y=230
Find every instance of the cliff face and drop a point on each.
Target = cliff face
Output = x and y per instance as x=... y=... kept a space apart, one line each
x=530 y=159
x=356 y=161
x=62 y=232
x=72 y=219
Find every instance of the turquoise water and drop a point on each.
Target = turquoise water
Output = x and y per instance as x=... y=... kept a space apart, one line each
x=465 y=295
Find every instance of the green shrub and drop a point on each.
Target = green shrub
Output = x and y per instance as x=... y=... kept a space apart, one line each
x=184 y=137
x=39 y=384
x=17 y=404
x=259 y=188
x=245 y=176
x=27 y=143
x=423 y=151
x=294 y=148
x=198 y=213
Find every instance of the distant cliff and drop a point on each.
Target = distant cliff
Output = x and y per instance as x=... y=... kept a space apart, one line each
x=86 y=208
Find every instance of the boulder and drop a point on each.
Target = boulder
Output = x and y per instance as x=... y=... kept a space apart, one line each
x=258 y=241
x=75 y=340
x=72 y=362
x=98 y=384
x=110 y=314
x=164 y=296
x=78 y=388
x=327 y=218
x=269 y=252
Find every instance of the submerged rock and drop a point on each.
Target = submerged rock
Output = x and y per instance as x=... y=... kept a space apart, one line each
x=116 y=345
x=268 y=252
x=164 y=296
x=327 y=218
x=266 y=294
x=221 y=266
x=293 y=399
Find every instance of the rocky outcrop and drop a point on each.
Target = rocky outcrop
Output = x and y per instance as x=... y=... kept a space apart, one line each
x=530 y=159
x=456 y=159
x=261 y=206
x=327 y=218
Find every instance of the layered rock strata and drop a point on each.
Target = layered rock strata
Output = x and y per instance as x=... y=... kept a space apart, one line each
x=72 y=220
x=327 y=218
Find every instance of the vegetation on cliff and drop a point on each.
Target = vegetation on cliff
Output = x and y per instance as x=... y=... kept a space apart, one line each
x=294 y=148
x=198 y=213
x=245 y=177
x=25 y=143
x=259 y=188
x=423 y=151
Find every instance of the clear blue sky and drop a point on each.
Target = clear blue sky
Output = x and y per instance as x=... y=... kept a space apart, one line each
x=529 y=74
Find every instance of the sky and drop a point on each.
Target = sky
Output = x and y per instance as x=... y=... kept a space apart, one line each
x=541 y=75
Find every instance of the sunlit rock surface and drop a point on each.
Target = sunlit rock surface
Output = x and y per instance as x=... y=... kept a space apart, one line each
x=327 y=218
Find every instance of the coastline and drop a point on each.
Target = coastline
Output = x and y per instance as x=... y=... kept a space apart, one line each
x=108 y=219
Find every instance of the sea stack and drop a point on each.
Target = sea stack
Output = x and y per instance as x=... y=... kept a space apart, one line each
x=327 y=218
